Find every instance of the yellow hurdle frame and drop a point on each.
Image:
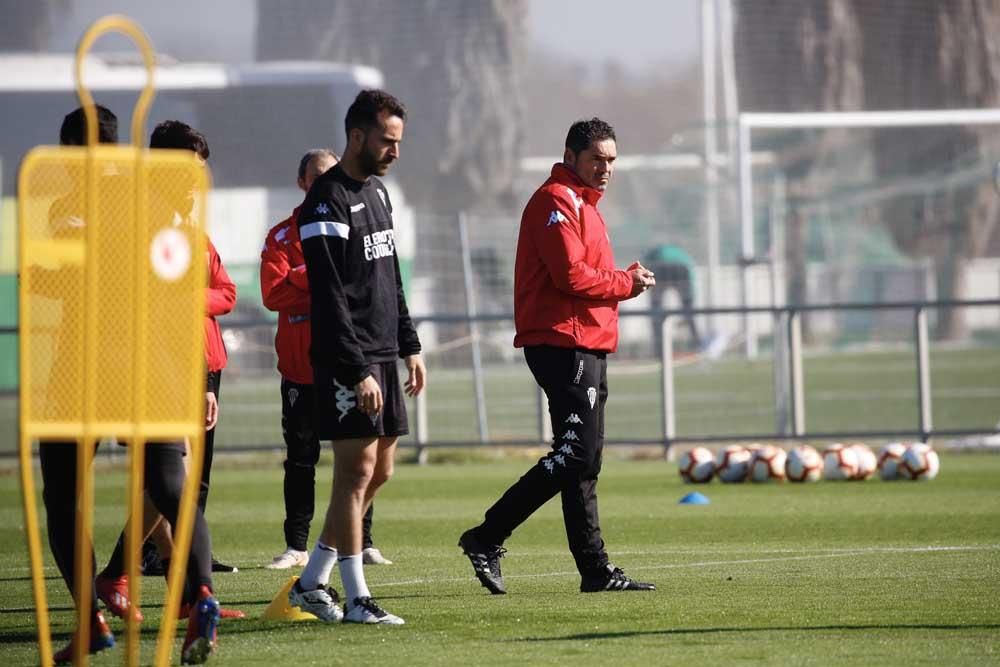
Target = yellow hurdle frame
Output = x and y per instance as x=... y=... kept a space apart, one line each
x=143 y=420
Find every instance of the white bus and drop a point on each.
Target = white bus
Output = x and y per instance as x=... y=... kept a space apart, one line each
x=259 y=118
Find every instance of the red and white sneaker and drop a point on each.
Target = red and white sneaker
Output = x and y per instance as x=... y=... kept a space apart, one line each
x=203 y=623
x=224 y=612
x=100 y=639
x=114 y=594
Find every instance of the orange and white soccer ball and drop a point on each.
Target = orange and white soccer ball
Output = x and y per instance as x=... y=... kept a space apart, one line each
x=839 y=462
x=919 y=462
x=867 y=463
x=804 y=464
x=696 y=466
x=767 y=464
x=888 y=460
x=732 y=464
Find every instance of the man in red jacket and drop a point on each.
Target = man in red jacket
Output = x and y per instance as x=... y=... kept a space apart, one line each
x=285 y=290
x=566 y=294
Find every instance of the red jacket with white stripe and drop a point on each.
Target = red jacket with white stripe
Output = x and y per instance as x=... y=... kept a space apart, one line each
x=284 y=287
x=566 y=287
x=220 y=298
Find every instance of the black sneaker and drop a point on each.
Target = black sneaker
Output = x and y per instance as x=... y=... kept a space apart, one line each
x=151 y=565
x=485 y=561
x=612 y=579
x=222 y=567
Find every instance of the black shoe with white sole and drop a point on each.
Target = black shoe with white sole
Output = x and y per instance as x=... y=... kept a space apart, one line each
x=612 y=578
x=485 y=561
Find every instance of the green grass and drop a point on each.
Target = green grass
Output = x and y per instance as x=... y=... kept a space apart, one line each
x=853 y=573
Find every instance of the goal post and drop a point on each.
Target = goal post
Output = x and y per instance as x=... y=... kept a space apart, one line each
x=750 y=122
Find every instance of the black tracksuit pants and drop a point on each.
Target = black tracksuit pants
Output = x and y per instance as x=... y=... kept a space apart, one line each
x=302 y=454
x=164 y=471
x=116 y=564
x=576 y=384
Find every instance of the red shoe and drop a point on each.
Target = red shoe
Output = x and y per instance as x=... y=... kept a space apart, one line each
x=203 y=622
x=114 y=594
x=100 y=639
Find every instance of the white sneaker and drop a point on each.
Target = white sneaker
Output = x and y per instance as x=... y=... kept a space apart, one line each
x=321 y=602
x=372 y=556
x=289 y=558
x=366 y=610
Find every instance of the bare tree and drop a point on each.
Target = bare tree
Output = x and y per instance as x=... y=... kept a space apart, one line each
x=26 y=25
x=935 y=55
x=799 y=56
x=457 y=67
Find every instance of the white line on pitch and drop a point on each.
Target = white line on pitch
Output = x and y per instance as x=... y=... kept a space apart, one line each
x=743 y=561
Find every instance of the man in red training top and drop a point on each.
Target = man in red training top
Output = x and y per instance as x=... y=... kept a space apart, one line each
x=566 y=294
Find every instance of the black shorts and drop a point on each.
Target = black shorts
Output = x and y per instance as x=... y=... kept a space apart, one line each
x=339 y=418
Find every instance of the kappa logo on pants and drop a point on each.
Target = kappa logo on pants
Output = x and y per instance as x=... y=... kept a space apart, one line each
x=346 y=400
x=592 y=396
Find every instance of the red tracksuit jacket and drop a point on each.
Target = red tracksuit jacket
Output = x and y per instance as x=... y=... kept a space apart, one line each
x=566 y=287
x=284 y=287
x=220 y=297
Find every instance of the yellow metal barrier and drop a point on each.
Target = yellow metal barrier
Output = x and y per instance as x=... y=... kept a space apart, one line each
x=112 y=275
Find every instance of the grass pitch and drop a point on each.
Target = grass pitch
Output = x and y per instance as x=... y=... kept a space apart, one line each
x=830 y=573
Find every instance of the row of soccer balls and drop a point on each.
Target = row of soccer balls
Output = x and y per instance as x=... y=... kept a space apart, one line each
x=766 y=463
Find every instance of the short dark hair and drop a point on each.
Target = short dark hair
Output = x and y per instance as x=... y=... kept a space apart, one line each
x=175 y=134
x=363 y=112
x=73 y=131
x=583 y=133
x=312 y=155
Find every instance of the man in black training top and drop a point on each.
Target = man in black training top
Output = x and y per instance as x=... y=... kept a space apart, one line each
x=360 y=326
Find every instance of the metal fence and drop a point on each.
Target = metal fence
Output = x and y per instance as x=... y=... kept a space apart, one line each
x=904 y=384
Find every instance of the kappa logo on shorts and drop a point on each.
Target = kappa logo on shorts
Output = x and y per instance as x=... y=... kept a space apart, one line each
x=293 y=395
x=592 y=396
x=322 y=209
x=346 y=400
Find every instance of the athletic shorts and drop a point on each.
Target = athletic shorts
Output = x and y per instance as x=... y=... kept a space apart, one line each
x=339 y=418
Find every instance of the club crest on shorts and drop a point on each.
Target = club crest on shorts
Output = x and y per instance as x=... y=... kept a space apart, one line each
x=592 y=396
x=293 y=395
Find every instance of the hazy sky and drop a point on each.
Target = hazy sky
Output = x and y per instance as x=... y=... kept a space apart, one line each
x=636 y=33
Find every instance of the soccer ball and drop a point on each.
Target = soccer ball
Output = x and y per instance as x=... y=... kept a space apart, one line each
x=888 y=460
x=767 y=464
x=867 y=463
x=732 y=464
x=804 y=464
x=839 y=462
x=919 y=462
x=696 y=466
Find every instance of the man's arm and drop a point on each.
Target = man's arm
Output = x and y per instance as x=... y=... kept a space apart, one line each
x=220 y=295
x=280 y=282
x=559 y=240
x=325 y=233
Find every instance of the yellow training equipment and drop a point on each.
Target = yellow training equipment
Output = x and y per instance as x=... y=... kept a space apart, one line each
x=112 y=287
